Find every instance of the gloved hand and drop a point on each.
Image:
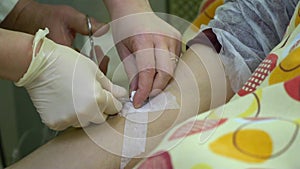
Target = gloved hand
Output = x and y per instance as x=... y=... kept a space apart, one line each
x=67 y=88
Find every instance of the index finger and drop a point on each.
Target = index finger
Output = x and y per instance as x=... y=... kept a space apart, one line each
x=145 y=61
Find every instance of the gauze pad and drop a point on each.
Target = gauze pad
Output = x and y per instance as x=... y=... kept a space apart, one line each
x=135 y=130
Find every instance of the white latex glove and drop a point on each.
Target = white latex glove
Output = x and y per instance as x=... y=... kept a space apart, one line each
x=67 y=88
x=149 y=48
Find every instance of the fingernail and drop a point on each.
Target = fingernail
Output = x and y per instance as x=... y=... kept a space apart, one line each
x=137 y=105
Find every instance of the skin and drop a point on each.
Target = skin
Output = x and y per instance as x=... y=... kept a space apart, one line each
x=149 y=72
x=153 y=47
x=67 y=148
x=63 y=21
x=75 y=149
x=15 y=59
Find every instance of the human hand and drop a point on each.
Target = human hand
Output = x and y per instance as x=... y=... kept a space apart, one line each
x=67 y=88
x=149 y=48
x=63 y=21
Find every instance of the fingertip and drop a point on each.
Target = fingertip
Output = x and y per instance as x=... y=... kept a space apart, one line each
x=118 y=106
x=114 y=107
x=139 y=99
x=136 y=104
x=108 y=104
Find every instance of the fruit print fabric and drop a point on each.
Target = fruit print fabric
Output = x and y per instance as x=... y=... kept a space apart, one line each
x=262 y=123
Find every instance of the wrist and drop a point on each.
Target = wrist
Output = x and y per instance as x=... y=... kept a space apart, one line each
x=25 y=58
x=27 y=17
x=15 y=59
x=11 y=19
x=120 y=8
x=40 y=50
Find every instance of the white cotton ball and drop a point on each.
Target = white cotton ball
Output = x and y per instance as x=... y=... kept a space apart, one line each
x=132 y=95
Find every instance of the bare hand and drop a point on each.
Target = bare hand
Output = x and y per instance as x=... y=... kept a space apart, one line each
x=62 y=21
x=149 y=49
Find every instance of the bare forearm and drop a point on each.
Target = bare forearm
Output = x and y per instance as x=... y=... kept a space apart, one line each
x=15 y=55
x=119 y=8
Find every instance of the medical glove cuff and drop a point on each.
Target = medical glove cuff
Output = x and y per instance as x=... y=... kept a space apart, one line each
x=39 y=59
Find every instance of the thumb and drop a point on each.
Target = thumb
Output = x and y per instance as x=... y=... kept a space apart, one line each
x=117 y=91
x=110 y=105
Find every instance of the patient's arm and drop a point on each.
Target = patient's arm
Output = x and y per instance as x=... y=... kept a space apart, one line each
x=74 y=149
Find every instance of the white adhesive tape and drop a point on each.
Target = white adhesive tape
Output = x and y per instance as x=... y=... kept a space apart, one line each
x=136 y=124
x=135 y=132
x=163 y=101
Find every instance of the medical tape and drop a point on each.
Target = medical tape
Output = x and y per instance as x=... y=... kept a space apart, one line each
x=136 y=124
x=163 y=101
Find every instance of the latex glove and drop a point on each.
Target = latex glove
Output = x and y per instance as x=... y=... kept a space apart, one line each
x=149 y=48
x=63 y=21
x=67 y=88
